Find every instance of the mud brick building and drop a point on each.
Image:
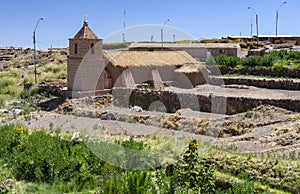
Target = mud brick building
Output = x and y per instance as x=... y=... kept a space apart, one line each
x=90 y=68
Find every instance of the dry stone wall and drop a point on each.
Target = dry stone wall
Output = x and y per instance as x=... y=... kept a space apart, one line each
x=267 y=71
x=172 y=101
x=284 y=84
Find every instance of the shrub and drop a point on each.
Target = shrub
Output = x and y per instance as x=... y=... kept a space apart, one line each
x=10 y=138
x=2 y=102
x=128 y=182
x=278 y=67
x=278 y=54
x=194 y=175
x=40 y=157
x=224 y=60
x=292 y=55
x=44 y=158
x=5 y=82
x=258 y=61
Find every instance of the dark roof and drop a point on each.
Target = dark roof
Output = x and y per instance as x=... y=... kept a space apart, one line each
x=85 y=32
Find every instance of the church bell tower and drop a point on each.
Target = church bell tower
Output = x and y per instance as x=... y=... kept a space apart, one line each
x=85 y=62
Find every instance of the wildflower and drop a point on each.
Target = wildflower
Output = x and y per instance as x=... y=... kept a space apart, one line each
x=193 y=145
x=19 y=130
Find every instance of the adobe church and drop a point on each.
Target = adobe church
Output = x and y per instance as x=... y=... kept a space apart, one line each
x=92 y=69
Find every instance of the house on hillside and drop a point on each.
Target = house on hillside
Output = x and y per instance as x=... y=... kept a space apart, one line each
x=90 y=68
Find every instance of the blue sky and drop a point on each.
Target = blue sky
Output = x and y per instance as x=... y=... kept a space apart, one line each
x=190 y=19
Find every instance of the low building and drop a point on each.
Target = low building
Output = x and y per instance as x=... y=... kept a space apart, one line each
x=200 y=51
x=292 y=39
x=90 y=68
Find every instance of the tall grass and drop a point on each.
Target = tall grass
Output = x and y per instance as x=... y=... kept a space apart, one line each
x=10 y=86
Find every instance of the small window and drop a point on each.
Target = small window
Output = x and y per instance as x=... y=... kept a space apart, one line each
x=76 y=48
x=92 y=48
x=222 y=51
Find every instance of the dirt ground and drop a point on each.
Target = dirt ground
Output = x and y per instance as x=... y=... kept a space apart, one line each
x=265 y=130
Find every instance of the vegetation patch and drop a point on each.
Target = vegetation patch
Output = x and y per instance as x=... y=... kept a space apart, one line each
x=276 y=62
x=50 y=162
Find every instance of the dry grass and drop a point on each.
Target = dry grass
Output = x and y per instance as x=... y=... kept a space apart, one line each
x=193 y=68
x=143 y=119
x=127 y=59
x=172 y=121
x=201 y=126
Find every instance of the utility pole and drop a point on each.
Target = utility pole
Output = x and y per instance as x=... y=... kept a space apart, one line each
x=256 y=18
x=34 y=49
x=162 y=34
x=278 y=16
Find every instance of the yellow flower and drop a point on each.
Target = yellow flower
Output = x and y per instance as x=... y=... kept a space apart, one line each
x=19 y=129
x=193 y=144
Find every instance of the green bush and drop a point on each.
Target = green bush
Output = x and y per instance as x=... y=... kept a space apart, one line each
x=278 y=54
x=5 y=82
x=41 y=157
x=53 y=163
x=194 y=175
x=10 y=138
x=292 y=55
x=224 y=60
x=257 y=61
x=45 y=158
x=278 y=67
x=2 y=102
x=129 y=182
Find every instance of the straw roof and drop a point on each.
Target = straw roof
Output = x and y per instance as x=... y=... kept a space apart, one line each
x=193 y=68
x=183 y=46
x=127 y=59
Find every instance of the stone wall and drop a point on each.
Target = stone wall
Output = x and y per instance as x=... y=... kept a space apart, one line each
x=267 y=71
x=271 y=83
x=144 y=98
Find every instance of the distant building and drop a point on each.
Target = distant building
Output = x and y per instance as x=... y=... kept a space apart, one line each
x=295 y=40
x=92 y=69
x=200 y=51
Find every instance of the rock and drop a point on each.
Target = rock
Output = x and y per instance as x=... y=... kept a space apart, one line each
x=16 y=111
x=28 y=86
x=272 y=144
x=75 y=137
x=136 y=109
x=108 y=116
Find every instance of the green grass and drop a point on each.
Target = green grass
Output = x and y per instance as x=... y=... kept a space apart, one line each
x=268 y=171
x=254 y=76
x=275 y=62
x=11 y=82
x=41 y=162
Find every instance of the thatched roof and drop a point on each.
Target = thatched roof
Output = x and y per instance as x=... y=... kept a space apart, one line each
x=193 y=68
x=178 y=46
x=85 y=32
x=127 y=59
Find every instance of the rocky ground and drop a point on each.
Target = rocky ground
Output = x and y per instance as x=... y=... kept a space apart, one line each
x=265 y=130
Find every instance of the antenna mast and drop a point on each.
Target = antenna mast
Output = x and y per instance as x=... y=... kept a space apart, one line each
x=124 y=24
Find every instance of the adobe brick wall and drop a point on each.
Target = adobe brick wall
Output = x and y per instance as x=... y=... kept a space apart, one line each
x=84 y=67
x=157 y=81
